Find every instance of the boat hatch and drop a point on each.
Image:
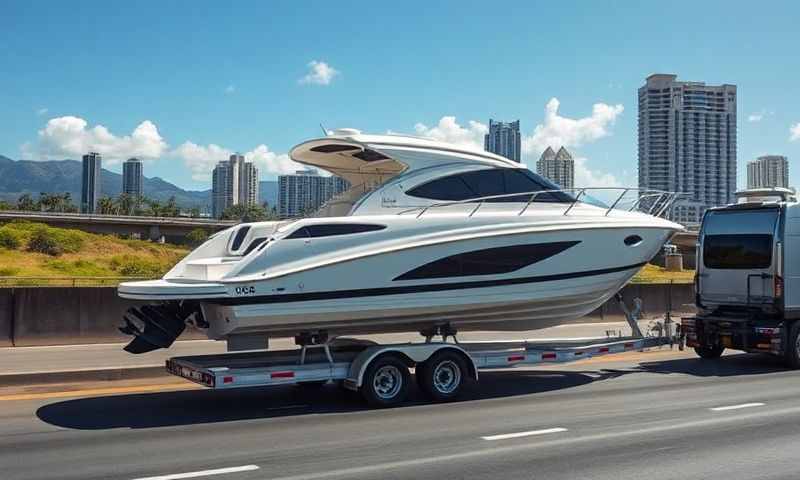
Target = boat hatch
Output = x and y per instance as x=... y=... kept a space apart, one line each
x=358 y=164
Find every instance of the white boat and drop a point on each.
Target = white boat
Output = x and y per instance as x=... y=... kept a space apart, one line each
x=431 y=236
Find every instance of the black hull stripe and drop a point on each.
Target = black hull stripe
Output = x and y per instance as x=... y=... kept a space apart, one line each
x=436 y=287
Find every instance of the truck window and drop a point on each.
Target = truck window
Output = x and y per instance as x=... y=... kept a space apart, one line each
x=748 y=251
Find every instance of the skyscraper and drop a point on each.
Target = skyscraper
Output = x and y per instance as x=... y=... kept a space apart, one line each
x=90 y=182
x=305 y=191
x=132 y=178
x=558 y=167
x=768 y=171
x=234 y=182
x=503 y=139
x=687 y=143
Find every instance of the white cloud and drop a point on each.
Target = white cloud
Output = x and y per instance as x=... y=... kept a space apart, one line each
x=72 y=137
x=794 y=131
x=230 y=89
x=448 y=130
x=201 y=159
x=42 y=111
x=319 y=73
x=755 y=117
x=557 y=131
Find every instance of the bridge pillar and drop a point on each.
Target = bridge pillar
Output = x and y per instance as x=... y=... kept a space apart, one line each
x=155 y=234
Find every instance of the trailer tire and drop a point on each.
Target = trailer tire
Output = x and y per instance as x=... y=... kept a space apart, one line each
x=792 y=351
x=386 y=381
x=709 y=352
x=442 y=376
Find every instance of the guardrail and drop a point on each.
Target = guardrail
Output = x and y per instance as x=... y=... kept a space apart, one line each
x=26 y=281
x=653 y=202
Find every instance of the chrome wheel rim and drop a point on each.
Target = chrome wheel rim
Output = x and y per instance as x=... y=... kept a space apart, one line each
x=446 y=377
x=387 y=383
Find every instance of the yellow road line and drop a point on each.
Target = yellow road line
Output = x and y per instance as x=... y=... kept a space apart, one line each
x=99 y=391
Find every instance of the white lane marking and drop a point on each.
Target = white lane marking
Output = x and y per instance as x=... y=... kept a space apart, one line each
x=203 y=473
x=506 y=436
x=737 y=407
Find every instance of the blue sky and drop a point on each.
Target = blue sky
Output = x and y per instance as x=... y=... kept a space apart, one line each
x=197 y=79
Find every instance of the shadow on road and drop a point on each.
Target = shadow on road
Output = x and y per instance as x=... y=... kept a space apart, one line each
x=737 y=364
x=151 y=410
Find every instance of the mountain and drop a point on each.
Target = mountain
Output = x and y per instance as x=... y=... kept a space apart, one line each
x=58 y=176
x=268 y=192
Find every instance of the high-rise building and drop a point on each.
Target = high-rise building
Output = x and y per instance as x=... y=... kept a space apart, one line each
x=90 y=181
x=768 y=171
x=558 y=167
x=305 y=191
x=687 y=143
x=132 y=178
x=234 y=182
x=503 y=139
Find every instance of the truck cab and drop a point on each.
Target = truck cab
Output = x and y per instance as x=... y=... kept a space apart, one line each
x=747 y=285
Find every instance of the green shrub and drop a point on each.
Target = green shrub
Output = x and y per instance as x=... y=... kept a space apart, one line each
x=42 y=242
x=10 y=238
x=77 y=268
x=8 y=271
x=55 y=241
x=133 y=266
x=197 y=237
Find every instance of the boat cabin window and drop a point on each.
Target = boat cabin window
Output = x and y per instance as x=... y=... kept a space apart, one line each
x=330 y=229
x=490 y=182
x=255 y=243
x=239 y=238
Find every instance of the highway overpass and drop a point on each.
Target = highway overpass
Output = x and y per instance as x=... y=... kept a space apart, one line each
x=153 y=228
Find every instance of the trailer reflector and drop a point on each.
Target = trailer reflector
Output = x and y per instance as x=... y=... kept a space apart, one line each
x=549 y=356
x=629 y=345
x=289 y=374
x=602 y=350
x=516 y=358
x=227 y=380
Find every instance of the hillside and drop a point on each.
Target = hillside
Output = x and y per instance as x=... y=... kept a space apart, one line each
x=58 y=176
x=78 y=254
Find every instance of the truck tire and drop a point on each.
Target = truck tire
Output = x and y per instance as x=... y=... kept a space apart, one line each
x=792 y=350
x=442 y=376
x=386 y=381
x=708 y=352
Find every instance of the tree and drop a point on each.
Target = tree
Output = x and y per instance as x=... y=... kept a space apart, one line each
x=253 y=213
x=197 y=236
x=127 y=204
x=106 y=206
x=26 y=203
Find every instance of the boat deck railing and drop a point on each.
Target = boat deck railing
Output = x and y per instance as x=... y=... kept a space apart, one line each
x=652 y=202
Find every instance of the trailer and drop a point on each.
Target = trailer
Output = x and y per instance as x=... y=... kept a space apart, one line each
x=382 y=373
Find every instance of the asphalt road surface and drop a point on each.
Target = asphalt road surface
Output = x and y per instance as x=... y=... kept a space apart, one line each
x=652 y=415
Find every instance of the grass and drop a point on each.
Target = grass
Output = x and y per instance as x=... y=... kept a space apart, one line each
x=81 y=254
x=655 y=274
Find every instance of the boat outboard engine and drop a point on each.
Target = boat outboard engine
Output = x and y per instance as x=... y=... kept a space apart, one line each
x=157 y=326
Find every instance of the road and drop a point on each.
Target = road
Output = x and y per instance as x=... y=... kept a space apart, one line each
x=653 y=415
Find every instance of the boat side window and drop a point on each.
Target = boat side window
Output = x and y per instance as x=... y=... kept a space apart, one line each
x=331 y=229
x=487 y=183
x=239 y=238
x=255 y=243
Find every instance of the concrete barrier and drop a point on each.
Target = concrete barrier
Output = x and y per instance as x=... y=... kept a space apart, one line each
x=6 y=317
x=69 y=315
x=32 y=316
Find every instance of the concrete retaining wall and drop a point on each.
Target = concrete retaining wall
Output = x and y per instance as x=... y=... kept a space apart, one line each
x=32 y=316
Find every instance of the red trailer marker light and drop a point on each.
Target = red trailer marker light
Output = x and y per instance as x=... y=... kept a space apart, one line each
x=516 y=358
x=549 y=356
x=288 y=374
x=227 y=380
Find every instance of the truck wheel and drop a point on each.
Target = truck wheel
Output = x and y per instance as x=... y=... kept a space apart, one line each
x=709 y=352
x=792 y=350
x=386 y=381
x=442 y=376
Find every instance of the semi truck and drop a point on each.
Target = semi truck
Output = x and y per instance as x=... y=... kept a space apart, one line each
x=747 y=281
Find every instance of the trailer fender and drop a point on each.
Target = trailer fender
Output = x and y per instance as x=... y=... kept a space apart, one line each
x=413 y=354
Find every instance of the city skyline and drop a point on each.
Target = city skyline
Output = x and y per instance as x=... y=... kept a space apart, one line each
x=768 y=171
x=181 y=122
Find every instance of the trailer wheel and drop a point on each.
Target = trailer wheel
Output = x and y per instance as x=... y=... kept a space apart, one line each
x=442 y=376
x=792 y=351
x=709 y=352
x=386 y=381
